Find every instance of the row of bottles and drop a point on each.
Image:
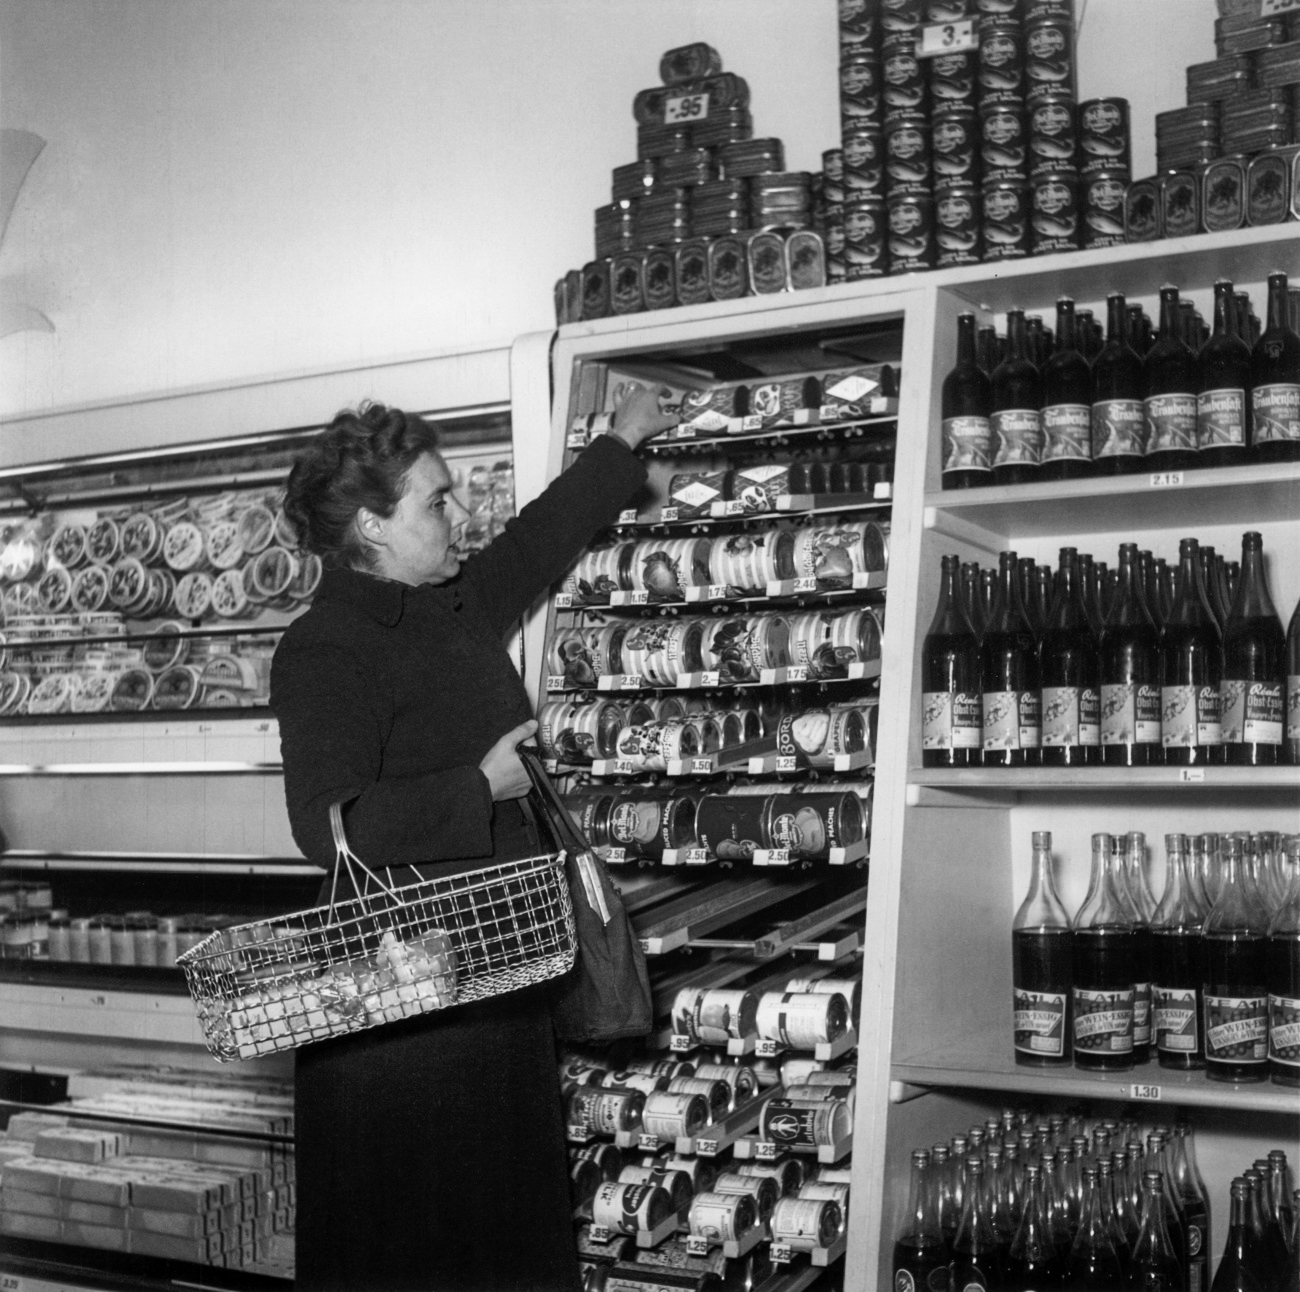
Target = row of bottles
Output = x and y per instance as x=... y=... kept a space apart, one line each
x=1104 y=680
x=1208 y=977
x=1176 y=406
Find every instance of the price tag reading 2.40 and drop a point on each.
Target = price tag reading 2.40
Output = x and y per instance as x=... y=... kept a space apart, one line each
x=686 y=107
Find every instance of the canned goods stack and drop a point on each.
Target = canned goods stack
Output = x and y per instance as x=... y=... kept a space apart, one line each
x=706 y=212
x=1229 y=158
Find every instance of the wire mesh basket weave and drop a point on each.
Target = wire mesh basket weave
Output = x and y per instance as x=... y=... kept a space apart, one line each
x=388 y=954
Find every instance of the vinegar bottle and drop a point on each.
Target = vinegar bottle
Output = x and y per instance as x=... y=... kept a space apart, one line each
x=951 y=722
x=1119 y=432
x=1103 y=970
x=966 y=401
x=1291 y=736
x=1284 y=981
x=1070 y=668
x=1191 y=668
x=1009 y=670
x=1251 y=692
x=1132 y=868
x=1042 y=952
x=1016 y=422
x=1178 y=970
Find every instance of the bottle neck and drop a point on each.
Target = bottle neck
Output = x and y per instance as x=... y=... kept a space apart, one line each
x=1225 y=321
x=1277 y=302
x=1116 y=320
x=966 y=340
x=1066 y=326
x=1170 y=314
x=1017 y=344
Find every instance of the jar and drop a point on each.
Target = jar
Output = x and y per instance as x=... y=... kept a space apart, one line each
x=60 y=938
x=121 y=942
x=168 y=949
x=101 y=940
x=144 y=930
x=79 y=940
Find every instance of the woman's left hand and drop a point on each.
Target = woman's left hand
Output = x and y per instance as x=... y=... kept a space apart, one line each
x=637 y=416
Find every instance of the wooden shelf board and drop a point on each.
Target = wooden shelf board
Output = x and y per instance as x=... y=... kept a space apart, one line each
x=1108 y=780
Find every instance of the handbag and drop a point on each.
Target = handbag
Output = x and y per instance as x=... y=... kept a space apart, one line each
x=607 y=994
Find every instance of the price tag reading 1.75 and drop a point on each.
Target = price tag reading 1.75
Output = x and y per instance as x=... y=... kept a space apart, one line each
x=686 y=107
x=947 y=38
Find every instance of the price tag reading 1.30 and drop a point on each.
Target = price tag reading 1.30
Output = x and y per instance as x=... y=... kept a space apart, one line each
x=686 y=107
x=947 y=38
x=1145 y=1092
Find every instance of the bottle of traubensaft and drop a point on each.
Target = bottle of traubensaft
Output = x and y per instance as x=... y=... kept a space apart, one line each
x=1275 y=382
x=967 y=401
x=1017 y=426
x=1223 y=405
x=1119 y=429
x=1171 y=380
x=1067 y=403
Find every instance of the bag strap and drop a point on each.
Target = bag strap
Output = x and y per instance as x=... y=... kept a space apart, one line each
x=550 y=808
x=346 y=858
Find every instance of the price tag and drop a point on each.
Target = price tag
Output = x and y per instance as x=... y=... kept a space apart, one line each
x=576 y=440
x=786 y=763
x=1166 y=479
x=806 y=584
x=1145 y=1092
x=778 y=856
x=680 y=1044
x=668 y=513
x=683 y=431
x=751 y=423
x=765 y=1151
x=555 y=681
x=627 y=516
x=599 y=1234
x=718 y=591
x=710 y=679
x=686 y=108
x=706 y=1147
x=1191 y=775
x=624 y=767
x=883 y=491
x=648 y=1143
x=697 y=856
x=781 y=1253
x=632 y=682
x=10 y=1283
x=552 y=765
x=564 y=600
x=624 y=598
x=767 y=1049
x=797 y=673
x=734 y=507
x=1271 y=8
x=947 y=38
x=701 y=766
x=580 y=1134
x=616 y=856
x=697 y=1245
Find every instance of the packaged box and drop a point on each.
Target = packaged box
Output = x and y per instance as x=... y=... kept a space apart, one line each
x=25 y=1127
x=103 y=1184
x=34 y=1175
x=29 y=1203
x=93 y=1213
x=204 y=1251
x=102 y=1236
x=187 y=1193
x=175 y=1224
x=77 y=1144
x=19 y=1225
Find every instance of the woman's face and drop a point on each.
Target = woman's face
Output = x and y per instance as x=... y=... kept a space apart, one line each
x=417 y=543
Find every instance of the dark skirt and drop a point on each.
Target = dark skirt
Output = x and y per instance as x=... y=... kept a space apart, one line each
x=431 y=1155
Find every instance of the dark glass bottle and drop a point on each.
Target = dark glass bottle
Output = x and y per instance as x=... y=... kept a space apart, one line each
x=1035 y=1260
x=1103 y=968
x=1087 y=568
x=1017 y=425
x=986 y=350
x=1291 y=734
x=1042 y=952
x=1178 y=969
x=920 y=1250
x=1070 y=669
x=1191 y=668
x=1279 y=1193
x=1275 y=382
x=1270 y=1243
x=1093 y=1264
x=1130 y=674
x=1213 y=588
x=1235 y=1272
x=1235 y=994
x=1067 y=403
x=1171 y=380
x=1194 y=1200
x=967 y=402
x=1253 y=688
x=1153 y=1265
x=971 y=601
x=976 y=1258
x=1132 y=848
x=1223 y=405
x=1284 y=980
x=1119 y=432
x=1009 y=670
x=951 y=719
x=1029 y=600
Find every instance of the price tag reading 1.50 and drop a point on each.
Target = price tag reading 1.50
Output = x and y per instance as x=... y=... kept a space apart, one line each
x=686 y=107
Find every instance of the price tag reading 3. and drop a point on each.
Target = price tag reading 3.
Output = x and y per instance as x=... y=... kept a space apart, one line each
x=1145 y=1092
x=686 y=107
x=947 y=38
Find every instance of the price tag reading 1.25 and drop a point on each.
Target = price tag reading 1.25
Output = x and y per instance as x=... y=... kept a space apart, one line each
x=947 y=38
x=1145 y=1092
x=686 y=107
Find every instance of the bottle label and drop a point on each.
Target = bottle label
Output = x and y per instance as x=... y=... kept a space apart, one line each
x=1175 y=1017
x=1017 y=437
x=1119 y=428
x=1251 y=712
x=1221 y=418
x=1103 y=1021
x=1171 y=422
x=1004 y=724
x=1040 y=1023
x=1284 y=1030
x=1130 y=714
x=1031 y=719
x=1293 y=706
x=951 y=720
x=1276 y=412
x=1209 y=728
x=1236 y=1028
x=1061 y=716
x=1089 y=716
x=966 y=443
x=1067 y=433
x=1189 y=716
x=1141 y=1013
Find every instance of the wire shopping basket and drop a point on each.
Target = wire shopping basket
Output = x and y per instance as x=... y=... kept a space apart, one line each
x=387 y=954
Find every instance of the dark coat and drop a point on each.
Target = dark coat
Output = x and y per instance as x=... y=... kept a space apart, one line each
x=431 y=1152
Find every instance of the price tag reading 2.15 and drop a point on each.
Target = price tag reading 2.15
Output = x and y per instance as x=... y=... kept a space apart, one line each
x=686 y=107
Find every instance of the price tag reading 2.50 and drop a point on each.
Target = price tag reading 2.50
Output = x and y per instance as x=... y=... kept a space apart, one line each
x=686 y=107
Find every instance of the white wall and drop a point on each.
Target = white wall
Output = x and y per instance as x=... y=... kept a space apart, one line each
x=238 y=188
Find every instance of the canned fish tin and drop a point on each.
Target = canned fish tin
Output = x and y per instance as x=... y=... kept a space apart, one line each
x=864 y=161
x=1273 y=186
x=671 y=1117
x=859 y=25
x=627 y=283
x=606 y=1112
x=1000 y=75
x=957 y=225
x=1103 y=135
x=1052 y=133
x=722 y=1217
x=802 y=1020
x=792 y=1125
x=1143 y=213
x=1223 y=194
x=860 y=90
x=763 y=1189
x=765 y=259
x=952 y=79
x=901 y=15
x=907 y=153
x=805 y=260
x=730 y=825
x=904 y=78
x=630 y=1208
x=955 y=146
x=865 y=238
x=714 y=1016
x=728 y=269
x=1004 y=142
x=717 y=1093
x=595 y=289
x=693 y=493
x=911 y=232
x=833 y=164
x=1102 y=197
x=659 y=282
x=788 y=1173
x=689 y=63
x=607 y=1158
x=1049 y=10
x=1049 y=58
x=1006 y=220
x=849 y=988
x=828 y=1191
x=677 y=1184
x=1055 y=220
x=805 y=1224
x=1180 y=204
x=691 y=272
x=739 y=1078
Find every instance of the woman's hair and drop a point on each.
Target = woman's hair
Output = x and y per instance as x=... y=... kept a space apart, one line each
x=361 y=459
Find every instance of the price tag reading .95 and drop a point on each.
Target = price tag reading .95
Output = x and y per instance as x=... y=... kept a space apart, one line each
x=686 y=107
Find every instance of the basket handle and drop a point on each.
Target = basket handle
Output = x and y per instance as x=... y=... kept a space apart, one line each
x=344 y=856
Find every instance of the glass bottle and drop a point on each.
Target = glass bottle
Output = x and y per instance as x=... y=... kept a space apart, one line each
x=1273 y=1256
x=1067 y=403
x=1235 y=994
x=1178 y=969
x=1035 y=1260
x=966 y=401
x=1131 y=868
x=1291 y=735
x=1127 y=1213
x=1120 y=1240
x=1103 y=972
x=1154 y=1266
x=920 y=1249
x=1283 y=973
x=1070 y=668
x=1223 y=405
x=1279 y=1192
x=1253 y=686
x=1194 y=1200
x=1093 y=1262
x=1087 y=569
x=1191 y=668
x=997 y=1203
x=971 y=601
x=1293 y=1283
x=1027 y=577
x=1016 y=422
x=1275 y=382
x=1119 y=432
x=1213 y=588
x=1171 y=379
x=976 y=1259
x=1009 y=669
x=987 y=350
x=1235 y=1272
x=952 y=722
x=947 y=1203
x=1158 y=1159
x=1042 y=954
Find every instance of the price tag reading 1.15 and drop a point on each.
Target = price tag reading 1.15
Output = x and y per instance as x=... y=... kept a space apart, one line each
x=947 y=38
x=686 y=107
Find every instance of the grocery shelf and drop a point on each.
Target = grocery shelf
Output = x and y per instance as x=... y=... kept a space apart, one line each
x=1245 y=495
x=934 y=787
x=983 y=1060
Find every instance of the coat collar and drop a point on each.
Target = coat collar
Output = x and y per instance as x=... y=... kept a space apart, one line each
x=382 y=599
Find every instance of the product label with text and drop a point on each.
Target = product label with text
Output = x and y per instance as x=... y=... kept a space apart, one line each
x=1221 y=418
x=1171 y=422
x=1010 y=720
x=1067 y=433
x=1103 y=1021
x=1017 y=437
x=1175 y=1019
x=1040 y=1023
x=1189 y=716
x=1284 y=1030
x=966 y=444
x=1130 y=714
x=1119 y=428
x=1060 y=716
x=1236 y=1028
x=951 y=720
x=1251 y=712
x=1276 y=412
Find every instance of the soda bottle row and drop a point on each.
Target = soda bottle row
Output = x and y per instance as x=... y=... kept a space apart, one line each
x=1176 y=405
x=1263 y=1247
x=1122 y=672
x=1208 y=977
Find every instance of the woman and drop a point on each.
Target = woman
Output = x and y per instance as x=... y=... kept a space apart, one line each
x=430 y=1152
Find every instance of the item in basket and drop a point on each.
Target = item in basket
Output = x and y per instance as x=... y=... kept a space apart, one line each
x=693 y=493
x=809 y=825
x=132 y=691
x=53 y=694
x=103 y=540
x=67 y=546
x=193 y=595
x=54 y=590
x=90 y=588
x=176 y=687
x=221 y=545
x=228 y=597
x=95 y=692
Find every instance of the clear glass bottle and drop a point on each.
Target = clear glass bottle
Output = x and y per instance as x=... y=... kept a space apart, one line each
x=1283 y=977
x=1103 y=969
x=976 y=1252
x=920 y=1249
x=1178 y=967
x=1093 y=1264
x=1035 y=1260
x=1042 y=956
x=1154 y=1265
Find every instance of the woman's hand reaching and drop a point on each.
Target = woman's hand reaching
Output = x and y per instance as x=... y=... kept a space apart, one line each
x=637 y=417
x=501 y=765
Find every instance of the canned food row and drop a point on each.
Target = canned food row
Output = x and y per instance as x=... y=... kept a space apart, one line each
x=808 y=1013
x=746 y=562
x=737 y=648
x=805 y=825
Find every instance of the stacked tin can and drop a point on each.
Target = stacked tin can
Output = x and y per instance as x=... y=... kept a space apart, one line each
x=862 y=142
x=1229 y=158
